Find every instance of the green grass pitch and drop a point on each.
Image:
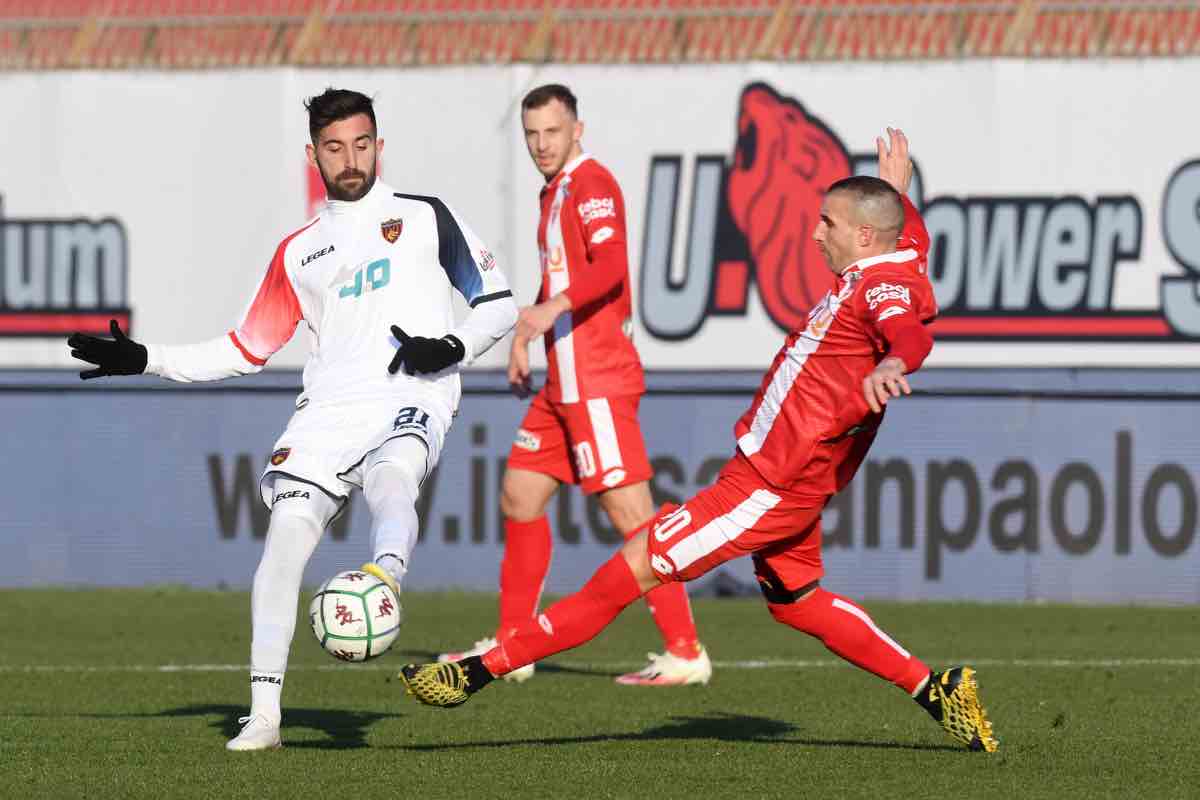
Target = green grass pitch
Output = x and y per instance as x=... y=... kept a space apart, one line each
x=1087 y=702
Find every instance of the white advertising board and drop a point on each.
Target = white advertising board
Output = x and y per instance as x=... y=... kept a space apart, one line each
x=1062 y=196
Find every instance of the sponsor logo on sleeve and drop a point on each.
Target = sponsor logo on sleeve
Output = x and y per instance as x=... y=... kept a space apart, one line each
x=486 y=259
x=308 y=259
x=526 y=440
x=597 y=208
x=602 y=235
x=295 y=494
x=883 y=292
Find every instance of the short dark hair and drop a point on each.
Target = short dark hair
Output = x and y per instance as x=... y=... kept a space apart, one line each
x=551 y=91
x=875 y=197
x=332 y=105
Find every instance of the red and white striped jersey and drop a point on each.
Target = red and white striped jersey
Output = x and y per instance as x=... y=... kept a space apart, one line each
x=809 y=427
x=581 y=241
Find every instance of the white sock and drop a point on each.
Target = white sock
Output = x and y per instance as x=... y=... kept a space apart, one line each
x=393 y=564
x=391 y=489
x=295 y=529
x=266 y=688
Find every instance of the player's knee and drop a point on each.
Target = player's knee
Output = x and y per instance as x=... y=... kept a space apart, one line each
x=389 y=478
x=787 y=606
x=518 y=503
x=629 y=508
x=637 y=555
x=300 y=507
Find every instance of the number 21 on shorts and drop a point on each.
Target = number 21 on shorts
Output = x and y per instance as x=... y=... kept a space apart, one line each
x=411 y=418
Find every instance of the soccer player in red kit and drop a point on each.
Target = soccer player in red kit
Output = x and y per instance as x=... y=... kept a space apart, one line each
x=801 y=441
x=582 y=427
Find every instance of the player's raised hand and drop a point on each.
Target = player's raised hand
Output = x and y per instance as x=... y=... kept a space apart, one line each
x=885 y=381
x=119 y=355
x=519 y=375
x=420 y=354
x=895 y=166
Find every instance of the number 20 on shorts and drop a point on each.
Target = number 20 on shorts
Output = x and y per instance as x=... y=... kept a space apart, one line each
x=672 y=524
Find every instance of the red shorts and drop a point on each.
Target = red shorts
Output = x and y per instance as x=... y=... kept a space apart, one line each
x=595 y=443
x=739 y=515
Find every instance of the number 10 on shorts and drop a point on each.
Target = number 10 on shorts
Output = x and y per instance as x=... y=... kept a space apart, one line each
x=585 y=460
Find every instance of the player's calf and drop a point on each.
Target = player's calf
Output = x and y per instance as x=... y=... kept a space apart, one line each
x=847 y=630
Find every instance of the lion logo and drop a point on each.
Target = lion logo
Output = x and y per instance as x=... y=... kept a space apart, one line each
x=784 y=160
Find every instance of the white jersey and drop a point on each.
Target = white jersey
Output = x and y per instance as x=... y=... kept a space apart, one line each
x=350 y=274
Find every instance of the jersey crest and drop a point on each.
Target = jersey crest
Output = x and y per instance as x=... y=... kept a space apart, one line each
x=391 y=229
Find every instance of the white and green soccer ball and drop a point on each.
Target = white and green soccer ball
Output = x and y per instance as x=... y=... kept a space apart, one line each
x=355 y=616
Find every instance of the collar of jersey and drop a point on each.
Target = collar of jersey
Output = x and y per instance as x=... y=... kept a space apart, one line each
x=571 y=166
x=343 y=207
x=896 y=257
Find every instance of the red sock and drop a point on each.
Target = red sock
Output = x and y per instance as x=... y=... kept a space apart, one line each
x=527 y=551
x=847 y=630
x=672 y=614
x=570 y=622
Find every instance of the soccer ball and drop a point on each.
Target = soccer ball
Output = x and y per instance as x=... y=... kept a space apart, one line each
x=355 y=616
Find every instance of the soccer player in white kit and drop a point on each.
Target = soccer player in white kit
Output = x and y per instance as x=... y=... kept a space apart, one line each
x=371 y=277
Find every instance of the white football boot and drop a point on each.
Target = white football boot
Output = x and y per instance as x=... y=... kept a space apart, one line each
x=519 y=675
x=666 y=669
x=257 y=734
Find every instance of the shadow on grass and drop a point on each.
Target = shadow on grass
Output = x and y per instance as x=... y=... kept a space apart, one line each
x=717 y=726
x=347 y=730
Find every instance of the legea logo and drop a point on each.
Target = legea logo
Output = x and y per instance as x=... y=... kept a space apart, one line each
x=1007 y=267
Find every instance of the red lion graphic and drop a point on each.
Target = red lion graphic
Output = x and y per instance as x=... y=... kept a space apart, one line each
x=783 y=161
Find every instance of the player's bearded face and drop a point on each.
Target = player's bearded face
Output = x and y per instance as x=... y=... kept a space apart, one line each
x=347 y=156
x=551 y=136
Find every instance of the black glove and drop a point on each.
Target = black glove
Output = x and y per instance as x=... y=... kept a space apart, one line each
x=119 y=355
x=422 y=354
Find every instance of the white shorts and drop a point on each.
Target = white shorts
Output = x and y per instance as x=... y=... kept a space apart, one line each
x=332 y=446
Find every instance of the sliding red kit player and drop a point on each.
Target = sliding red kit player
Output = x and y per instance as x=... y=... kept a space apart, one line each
x=582 y=427
x=803 y=438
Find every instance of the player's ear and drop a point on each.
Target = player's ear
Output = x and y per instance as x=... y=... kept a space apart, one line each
x=378 y=147
x=577 y=133
x=311 y=152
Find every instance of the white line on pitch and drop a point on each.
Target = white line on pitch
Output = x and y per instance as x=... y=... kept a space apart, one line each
x=1040 y=663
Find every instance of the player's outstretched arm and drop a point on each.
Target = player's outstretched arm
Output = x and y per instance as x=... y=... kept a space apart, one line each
x=119 y=355
x=895 y=166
